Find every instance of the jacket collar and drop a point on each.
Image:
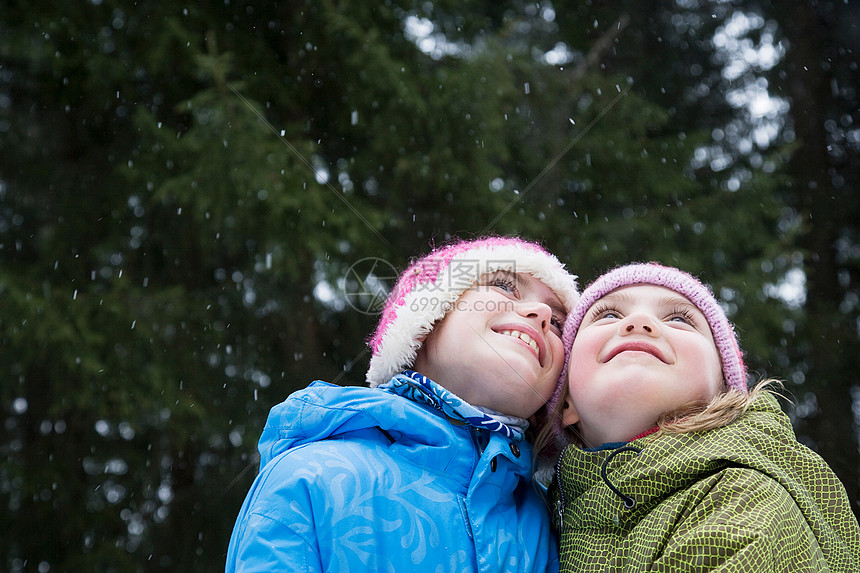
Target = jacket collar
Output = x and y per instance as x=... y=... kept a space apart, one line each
x=421 y=389
x=680 y=460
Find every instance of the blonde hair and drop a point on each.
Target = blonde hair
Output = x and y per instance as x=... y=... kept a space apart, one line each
x=722 y=410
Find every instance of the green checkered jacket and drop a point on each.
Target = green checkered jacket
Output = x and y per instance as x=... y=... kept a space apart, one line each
x=744 y=497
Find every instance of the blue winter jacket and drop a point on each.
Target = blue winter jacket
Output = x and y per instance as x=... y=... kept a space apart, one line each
x=395 y=478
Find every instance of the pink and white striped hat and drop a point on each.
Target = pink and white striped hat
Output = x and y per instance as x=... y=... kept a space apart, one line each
x=429 y=287
x=731 y=356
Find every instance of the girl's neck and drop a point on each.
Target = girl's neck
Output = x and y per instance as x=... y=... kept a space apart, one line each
x=645 y=433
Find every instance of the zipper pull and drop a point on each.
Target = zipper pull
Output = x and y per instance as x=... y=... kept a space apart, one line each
x=559 y=510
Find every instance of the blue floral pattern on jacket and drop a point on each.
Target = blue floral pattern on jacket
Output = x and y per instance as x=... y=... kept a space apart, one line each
x=401 y=477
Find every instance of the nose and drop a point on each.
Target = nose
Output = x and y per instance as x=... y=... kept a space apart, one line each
x=642 y=323
x=537 y=311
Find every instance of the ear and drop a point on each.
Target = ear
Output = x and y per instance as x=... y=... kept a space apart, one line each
x=569 y=415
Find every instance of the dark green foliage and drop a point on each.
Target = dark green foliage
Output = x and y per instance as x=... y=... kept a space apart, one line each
x=183 y=188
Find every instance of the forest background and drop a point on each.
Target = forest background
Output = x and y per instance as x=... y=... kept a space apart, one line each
x=202 y=206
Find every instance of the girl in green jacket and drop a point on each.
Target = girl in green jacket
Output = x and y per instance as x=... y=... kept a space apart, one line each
x=670 y=463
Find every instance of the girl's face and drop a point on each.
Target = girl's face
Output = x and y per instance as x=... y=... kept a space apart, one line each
x=641 y=351
x=500 y=345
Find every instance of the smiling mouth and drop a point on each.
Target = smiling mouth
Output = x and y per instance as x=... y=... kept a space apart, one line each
x=532 y=343
x=637 y=347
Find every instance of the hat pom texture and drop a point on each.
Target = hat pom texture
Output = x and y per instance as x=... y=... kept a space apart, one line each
x=431 y=285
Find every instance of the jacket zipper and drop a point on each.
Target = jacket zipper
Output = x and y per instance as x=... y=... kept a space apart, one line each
x=559 y=504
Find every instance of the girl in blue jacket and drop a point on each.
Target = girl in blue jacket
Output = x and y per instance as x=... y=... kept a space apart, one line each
x=428 y=468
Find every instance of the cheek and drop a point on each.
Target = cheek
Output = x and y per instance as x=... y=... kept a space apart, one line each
x=557 y=352
x=585 y=351
x=426 y=358
x=707 y=361
x=717 y=380
x=583 y=364
x=703 y=364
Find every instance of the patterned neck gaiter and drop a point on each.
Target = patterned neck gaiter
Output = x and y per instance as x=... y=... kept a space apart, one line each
x=419 y=388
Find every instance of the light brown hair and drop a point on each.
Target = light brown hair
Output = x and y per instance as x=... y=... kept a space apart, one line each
x=722 y=410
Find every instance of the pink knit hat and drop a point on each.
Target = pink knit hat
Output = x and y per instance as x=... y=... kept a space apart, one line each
x=683 y=283
x=428 y=289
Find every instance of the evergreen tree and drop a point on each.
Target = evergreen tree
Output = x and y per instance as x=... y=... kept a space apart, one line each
x=186 y=193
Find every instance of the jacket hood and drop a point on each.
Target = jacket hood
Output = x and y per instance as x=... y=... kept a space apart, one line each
x=323 y=411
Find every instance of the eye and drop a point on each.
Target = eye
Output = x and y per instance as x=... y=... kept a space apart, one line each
x=602 y=310
x=505 y=283
x=557 y=322
x=683 y=315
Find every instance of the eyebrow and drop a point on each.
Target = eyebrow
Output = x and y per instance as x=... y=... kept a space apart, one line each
x=677 y=301
x=619 y=296
x=665 y=301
